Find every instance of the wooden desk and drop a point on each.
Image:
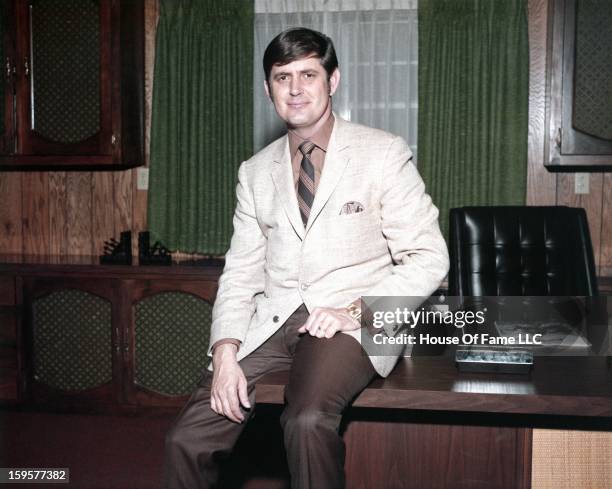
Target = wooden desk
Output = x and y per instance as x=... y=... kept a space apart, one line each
x=427 y=425
x=559 y=386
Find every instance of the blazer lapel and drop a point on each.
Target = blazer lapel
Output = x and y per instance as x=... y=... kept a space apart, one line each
x=282 y=175
x=335 y=164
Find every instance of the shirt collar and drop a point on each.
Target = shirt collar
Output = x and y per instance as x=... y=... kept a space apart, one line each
x=320 y=138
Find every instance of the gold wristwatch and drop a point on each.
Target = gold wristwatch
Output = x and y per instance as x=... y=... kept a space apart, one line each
x=354 y=311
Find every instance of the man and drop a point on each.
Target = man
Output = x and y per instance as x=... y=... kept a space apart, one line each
x=326 y=214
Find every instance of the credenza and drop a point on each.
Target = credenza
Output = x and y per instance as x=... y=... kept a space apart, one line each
x=77 y=335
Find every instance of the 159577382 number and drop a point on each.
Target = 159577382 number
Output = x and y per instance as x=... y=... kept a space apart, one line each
x=33 y=475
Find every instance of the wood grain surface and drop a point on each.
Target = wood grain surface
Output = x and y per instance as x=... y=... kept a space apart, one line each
x=11 y=237
x=35 y=212
x=78 y=213
x=58 y=218
x=103 y=221
x=557 y=386
x=591 y=202
x=412 y=455
x=541 y=184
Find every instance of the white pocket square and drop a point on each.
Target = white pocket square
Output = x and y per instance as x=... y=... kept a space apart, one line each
x=351 y=207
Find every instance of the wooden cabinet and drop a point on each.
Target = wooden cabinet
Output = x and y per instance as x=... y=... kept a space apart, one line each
x=73 y=84
x=70 y=340
x=167 y=339
x=580 y=100
x=112 y=338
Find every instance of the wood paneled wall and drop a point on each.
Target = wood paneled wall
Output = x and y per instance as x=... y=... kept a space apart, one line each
x=543 y=187
x=67 y=213
x=74 y=212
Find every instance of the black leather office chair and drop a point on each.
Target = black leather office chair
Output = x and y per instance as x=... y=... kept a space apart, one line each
x=527 y=251
x=521 y=251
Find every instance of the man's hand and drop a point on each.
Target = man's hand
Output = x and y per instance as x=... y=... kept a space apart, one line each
x=325 y=322
x=229 y=385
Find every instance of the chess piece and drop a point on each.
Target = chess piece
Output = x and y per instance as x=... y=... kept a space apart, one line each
x=118 y=252
x=157 y=254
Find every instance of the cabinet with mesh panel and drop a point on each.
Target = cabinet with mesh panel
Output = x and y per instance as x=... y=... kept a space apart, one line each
x=169 y=339
x=73 y=83
x=112 y=338
x=579 y=104
x=72 y=340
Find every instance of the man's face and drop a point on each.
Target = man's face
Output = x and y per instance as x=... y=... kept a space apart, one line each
x=301 y=93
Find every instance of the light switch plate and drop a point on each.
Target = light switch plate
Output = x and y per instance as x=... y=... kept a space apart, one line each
x=142 y=178
x=581 y=183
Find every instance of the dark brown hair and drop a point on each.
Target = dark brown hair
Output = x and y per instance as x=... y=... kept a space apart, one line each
x=297 y=43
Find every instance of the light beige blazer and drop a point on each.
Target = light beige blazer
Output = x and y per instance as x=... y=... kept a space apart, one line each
x=393 y=247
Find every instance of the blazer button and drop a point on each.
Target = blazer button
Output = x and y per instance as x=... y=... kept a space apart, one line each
x=304 y=286
x=275 y=319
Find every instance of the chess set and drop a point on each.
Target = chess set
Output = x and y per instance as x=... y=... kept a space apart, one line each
x=120 y=252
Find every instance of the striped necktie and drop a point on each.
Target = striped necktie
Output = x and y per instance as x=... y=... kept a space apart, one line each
x=306 y=187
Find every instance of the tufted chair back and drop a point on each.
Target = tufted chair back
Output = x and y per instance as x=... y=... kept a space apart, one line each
x=520 y=250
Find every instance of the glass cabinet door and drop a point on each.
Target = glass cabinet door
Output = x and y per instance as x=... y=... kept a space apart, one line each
x=65 y=76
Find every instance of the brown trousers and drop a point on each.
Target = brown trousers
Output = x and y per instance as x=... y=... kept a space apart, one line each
x=326 y=374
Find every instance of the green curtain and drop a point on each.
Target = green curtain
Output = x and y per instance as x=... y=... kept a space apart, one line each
x=202 y=121
x=473 y=102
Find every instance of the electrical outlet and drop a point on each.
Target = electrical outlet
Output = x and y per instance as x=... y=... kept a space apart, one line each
x=142 y=178
x=581 y=183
